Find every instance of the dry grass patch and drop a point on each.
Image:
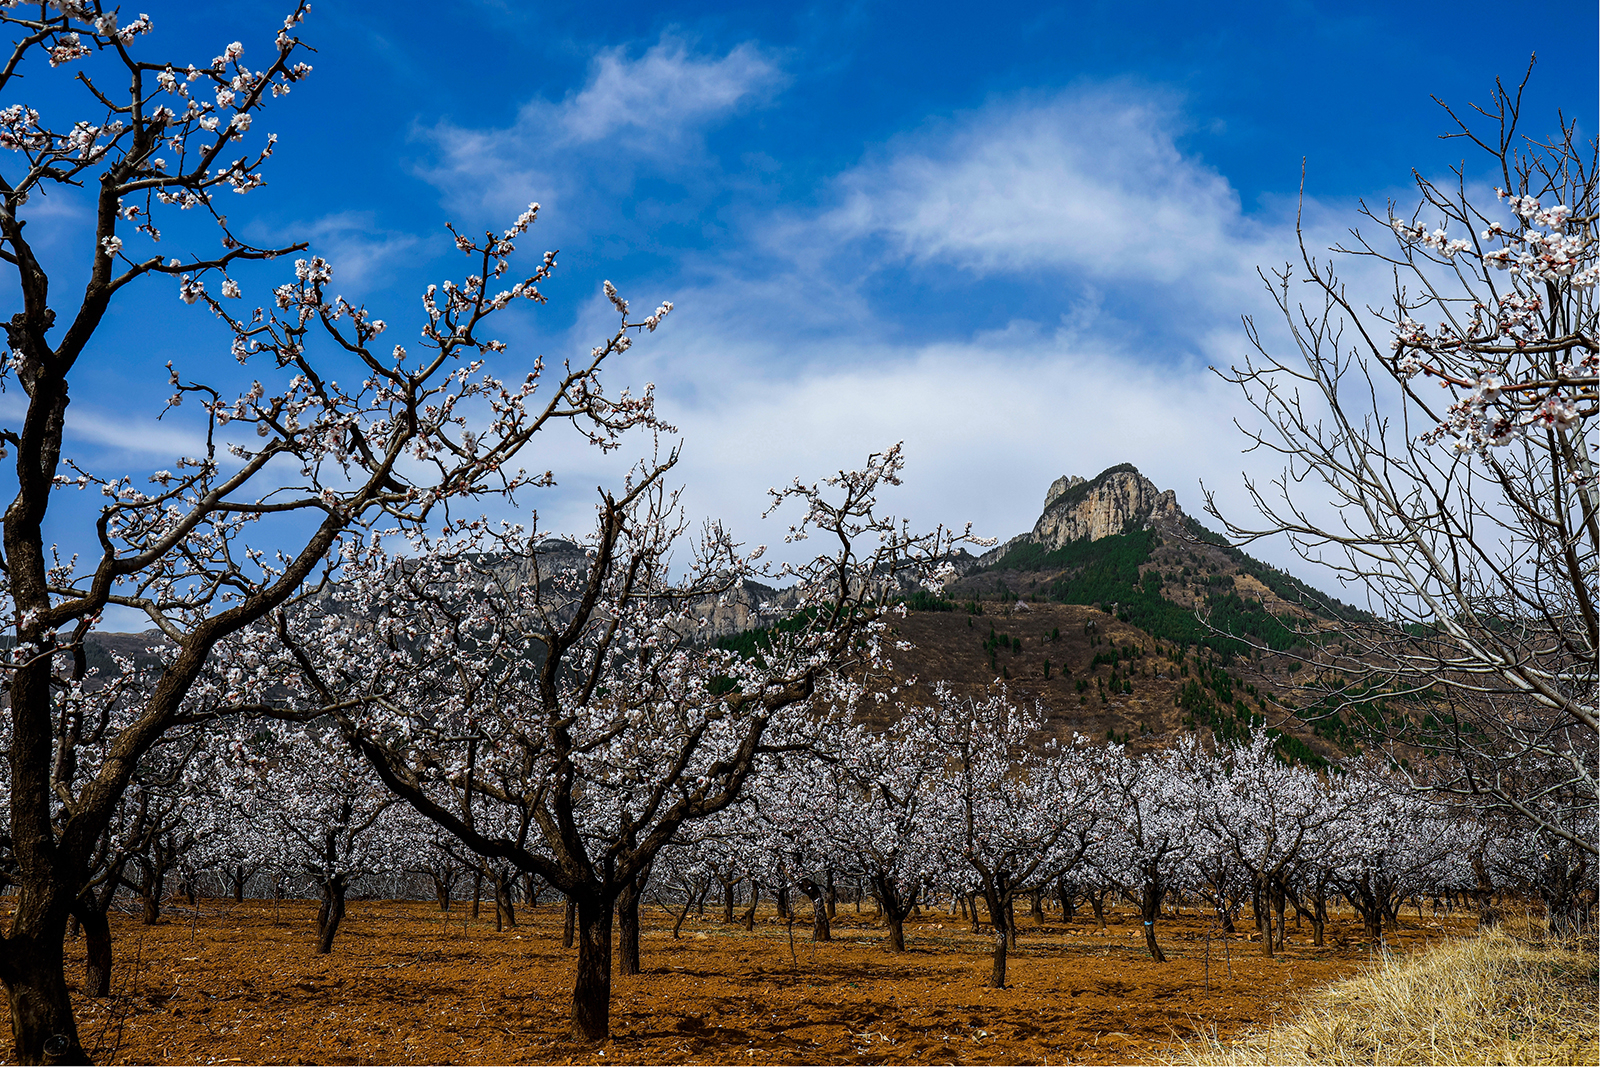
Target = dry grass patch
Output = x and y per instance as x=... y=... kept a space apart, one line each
x=1495 y=998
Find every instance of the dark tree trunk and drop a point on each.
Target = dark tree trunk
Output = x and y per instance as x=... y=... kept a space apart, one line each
x=688 y=906
x=628 y=923
x=1278 y=901
x=832 y=895
x=441 y=893
x=331 y=913
x=42 y=1024
x=1317 y=913
x=894 y=909
x=1149 y=911
x=97 y=952
x=755 y=898
x=1036 y=906
x=997 y=900
x=1483 y=893
x=505 y=913
x=727 y=900
x=782 y=900
x=591 y=991
x=820 y=931
x=997 y=976
x=238 y=878
x=1097 y=901
x=569 y=924
x=1261 y=910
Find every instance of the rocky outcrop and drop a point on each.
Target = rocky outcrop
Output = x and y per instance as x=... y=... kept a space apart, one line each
x=1119 y=499
x=1112 y=502
x=1060 y=488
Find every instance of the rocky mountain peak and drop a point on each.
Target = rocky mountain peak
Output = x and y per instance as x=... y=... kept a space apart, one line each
x=1060 y=487
x=1111 y=502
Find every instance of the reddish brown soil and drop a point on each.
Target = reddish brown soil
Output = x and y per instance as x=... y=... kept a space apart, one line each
x=406 y=984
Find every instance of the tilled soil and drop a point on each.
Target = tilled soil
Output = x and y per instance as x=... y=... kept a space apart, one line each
x=409 y=984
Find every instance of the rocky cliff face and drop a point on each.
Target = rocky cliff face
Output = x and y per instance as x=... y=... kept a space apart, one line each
x=1076 y=508
x=1121 y=497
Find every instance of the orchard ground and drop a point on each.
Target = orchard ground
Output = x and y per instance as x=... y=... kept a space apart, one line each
x=407 y=983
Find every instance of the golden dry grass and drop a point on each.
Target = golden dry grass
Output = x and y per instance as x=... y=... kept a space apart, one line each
x=1503 y=997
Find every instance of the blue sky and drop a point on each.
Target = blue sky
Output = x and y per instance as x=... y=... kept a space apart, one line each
x=1012 y=235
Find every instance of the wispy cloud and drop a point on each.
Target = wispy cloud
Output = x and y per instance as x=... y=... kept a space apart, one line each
x=99 y=427
x=785 y=358
x=666 y=95
x=1090 y=181
x=646 y=111
x=355 y=245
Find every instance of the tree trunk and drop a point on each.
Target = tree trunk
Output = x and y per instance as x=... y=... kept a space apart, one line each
x=1036 y=906
x=505 y=913
x=997 y=977
x=820 y=931
x=1150 y=909
x=441 y=893
x=569 y=924
x=750 y=913
x=591 y=990
x=331 y=914
x=1483 y=894
x=42 y=1024
x=628 y=927
x=1278 y=896
x=688 y=906
x=97 y=953
x=1261 y=908
x=895 y=909
x=1097 y=901
x=832 y=895
x=727 y=900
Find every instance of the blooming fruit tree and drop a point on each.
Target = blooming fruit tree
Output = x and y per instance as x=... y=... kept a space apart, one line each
x=314 y=445
x=1454 y=428
x=568 y=715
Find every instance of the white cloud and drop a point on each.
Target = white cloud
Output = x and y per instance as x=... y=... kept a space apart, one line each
x=788 y=355
x=777 y=363
x=164 y=442
x=986 y=429
x=97 y=426
x=652 y=111
x=659 y=98
x=1091 y=181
